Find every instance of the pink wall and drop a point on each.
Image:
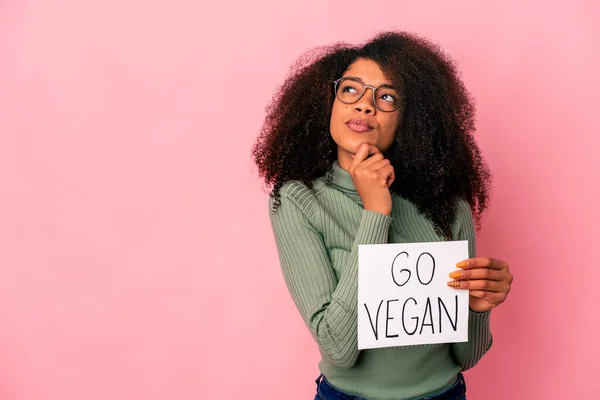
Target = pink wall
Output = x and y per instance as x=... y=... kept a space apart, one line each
x=136 y=256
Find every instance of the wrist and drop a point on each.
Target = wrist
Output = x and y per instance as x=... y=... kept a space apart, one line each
x=378 y=209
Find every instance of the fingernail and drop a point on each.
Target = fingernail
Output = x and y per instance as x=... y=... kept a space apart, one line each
x=455 y=274
x=463 y=264
x=454 y=284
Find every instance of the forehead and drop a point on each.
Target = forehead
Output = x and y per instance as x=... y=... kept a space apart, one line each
x=368 y=71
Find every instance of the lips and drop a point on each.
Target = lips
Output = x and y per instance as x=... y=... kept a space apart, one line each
x=359 y=125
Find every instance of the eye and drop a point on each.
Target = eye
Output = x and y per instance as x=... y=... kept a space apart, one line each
x=348 y=88
x=388 y=97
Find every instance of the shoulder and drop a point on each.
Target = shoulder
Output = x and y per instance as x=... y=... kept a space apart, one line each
x=296 y=191
x=463 y=206
x=295 y=195
x=463 y=216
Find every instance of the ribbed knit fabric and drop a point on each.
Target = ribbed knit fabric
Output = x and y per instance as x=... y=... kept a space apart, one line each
x=317 y=233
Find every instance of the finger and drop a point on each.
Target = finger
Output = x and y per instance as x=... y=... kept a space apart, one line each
x=481 y=284
x=491 y=297
x=480 y=273
x=371 y=160
x=389 y=173
x=391 y=177
x=361 y=155
x=373 y=150
x=482 y=262
x=376 y=165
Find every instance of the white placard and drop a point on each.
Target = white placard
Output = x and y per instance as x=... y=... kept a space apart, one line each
x=403 y=296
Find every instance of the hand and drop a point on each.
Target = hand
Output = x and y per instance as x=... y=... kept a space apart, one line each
x=488 y=280
x=372 y=177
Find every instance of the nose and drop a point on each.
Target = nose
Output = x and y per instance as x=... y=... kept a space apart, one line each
x=365 y=103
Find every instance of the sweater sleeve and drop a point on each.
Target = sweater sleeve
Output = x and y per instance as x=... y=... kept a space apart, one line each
x=327 y=306
x=467 y=354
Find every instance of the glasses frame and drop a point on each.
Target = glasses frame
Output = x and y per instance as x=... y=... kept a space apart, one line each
x=365 y=87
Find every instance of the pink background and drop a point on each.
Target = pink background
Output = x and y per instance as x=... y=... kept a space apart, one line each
x=136 y=256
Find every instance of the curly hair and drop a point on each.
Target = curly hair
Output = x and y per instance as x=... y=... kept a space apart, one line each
x=435 y=157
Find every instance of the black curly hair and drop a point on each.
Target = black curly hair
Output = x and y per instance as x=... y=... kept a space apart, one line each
x=435 y=157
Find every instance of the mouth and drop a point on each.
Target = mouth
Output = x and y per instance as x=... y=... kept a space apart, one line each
x=358 y=125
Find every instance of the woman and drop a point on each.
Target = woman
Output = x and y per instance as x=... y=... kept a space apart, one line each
x=372 y=145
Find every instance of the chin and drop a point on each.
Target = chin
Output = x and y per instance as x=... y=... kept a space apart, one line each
x=369 y=142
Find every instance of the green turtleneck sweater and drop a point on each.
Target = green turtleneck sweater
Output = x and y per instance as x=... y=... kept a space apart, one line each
x=317 y=232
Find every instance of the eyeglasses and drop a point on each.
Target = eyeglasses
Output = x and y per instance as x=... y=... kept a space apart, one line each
x=349 y=90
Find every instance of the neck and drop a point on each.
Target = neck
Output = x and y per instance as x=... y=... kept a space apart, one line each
x=342 y=178
x=344 y=159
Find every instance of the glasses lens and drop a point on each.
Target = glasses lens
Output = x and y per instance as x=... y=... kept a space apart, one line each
x=387 y=99
x=349 y=90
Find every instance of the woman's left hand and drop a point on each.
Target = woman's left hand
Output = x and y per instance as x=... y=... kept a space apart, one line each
x=488 y=280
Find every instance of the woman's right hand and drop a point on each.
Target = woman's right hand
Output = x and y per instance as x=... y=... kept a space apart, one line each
x=372 y=177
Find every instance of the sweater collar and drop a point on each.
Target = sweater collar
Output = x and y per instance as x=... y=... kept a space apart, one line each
x=342 y=178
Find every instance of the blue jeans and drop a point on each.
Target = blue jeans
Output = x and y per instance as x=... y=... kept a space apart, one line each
x=326 y=391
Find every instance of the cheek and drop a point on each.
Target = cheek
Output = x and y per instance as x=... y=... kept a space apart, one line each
x=390 y=131
x=337 y=115
x=338 y=110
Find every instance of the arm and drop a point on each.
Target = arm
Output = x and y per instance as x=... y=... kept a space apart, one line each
x=328 y=307
x=467 y=354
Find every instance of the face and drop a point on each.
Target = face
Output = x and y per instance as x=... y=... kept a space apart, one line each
x=348 y=135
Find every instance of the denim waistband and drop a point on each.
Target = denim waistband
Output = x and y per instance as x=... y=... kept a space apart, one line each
x=326 y=391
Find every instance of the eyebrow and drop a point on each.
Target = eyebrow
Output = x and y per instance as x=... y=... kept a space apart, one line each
x=385 y=85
